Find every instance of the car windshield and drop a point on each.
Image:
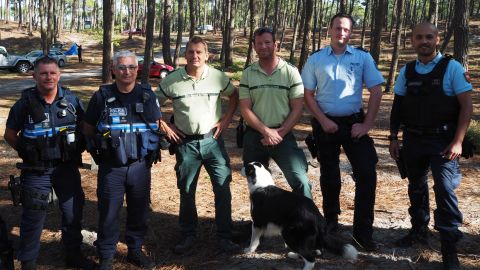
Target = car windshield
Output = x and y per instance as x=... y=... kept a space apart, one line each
x=34 y=54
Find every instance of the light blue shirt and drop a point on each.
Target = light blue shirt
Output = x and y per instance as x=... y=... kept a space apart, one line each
x=454 y=81
x=338 y=81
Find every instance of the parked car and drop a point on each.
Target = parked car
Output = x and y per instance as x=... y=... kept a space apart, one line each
x=58 y=46
x=157 y=69
x=13 y=62
x=206 y=27
x=136 y=31
x=58 y=55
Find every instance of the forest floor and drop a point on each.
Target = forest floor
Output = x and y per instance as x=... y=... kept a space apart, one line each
x=391 y=216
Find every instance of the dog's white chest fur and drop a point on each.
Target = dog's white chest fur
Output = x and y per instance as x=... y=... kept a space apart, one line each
x=272 y=230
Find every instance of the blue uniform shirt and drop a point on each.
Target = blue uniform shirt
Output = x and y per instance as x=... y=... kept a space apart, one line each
x=454 y=81
x=19 y=118
x=338 y=80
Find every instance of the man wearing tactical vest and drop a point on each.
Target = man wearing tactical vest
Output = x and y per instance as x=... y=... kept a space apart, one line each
x=196 y=92
x=121 y=124
x=433 y=107
x=44 y=128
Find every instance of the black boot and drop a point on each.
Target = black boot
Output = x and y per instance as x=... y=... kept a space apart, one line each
x=414 y=236
x=29 y=265
x=449 y=256
x=76 y=259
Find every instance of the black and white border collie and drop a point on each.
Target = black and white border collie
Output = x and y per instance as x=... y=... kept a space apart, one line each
x=276 y=211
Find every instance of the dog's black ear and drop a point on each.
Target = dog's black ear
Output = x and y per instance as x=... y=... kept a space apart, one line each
x=250 y=170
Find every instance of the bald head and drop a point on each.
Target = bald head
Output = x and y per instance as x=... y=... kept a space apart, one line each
x=425 y=40
x=426 y=26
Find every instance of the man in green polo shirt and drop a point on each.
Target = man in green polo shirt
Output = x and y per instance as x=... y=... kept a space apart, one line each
x=271 y=102
x=196 y=91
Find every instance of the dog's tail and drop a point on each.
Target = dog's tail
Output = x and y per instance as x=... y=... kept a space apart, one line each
x=340 y=247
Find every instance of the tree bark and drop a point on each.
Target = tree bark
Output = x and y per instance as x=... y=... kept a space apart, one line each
x=176 y=58
x=461 y=36
x=167 y=17
x=306 y=33
x=433 y=12
x=74 y=14
x=231 y=36
x=377 y=31
x=147 y=56
x=396 y=45
x=107 y=53
x=295 y=29
x=192 y=18
x=253 y=13
x=364 y=23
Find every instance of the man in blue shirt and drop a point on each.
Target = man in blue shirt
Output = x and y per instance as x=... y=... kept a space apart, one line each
x=333 y=78
x=433 y=105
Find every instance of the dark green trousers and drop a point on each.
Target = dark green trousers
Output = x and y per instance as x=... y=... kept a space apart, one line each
x=288 y=156
x=190 y=156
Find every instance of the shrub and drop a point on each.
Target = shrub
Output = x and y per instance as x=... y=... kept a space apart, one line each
x=473 y=134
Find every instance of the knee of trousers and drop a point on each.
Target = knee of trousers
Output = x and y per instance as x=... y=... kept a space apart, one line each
x=34 y=199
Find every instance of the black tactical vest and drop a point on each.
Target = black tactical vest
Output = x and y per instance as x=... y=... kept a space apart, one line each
x=50 y=134
x=124 y=133
x=425 y=104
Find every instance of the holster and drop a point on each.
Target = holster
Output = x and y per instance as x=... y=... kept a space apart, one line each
x=15 y=187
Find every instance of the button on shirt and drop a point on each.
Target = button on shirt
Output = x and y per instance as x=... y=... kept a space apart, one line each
x=196 y=103
x=338 y=79
x=454 y=81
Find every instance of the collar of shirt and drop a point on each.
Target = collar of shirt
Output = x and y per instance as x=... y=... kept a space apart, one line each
x=187 y=77
x=280 y=65
x=60 y=94
x=434 y=61
x=329 y=49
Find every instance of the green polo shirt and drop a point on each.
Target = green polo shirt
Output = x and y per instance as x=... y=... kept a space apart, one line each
x=270 y=94
x=197 y=105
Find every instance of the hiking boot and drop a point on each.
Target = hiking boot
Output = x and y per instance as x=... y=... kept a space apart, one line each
x=414 y=236
x=76 y=259
x=29 y=265
x=226 y=245
x=106 y=264
x=449 y=255
x=366 y=243
x=139 y=259
x=184 y=245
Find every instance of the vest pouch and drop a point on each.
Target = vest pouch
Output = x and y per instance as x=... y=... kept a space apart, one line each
x=150 y=143
x=131 y=145
x=49 y=148
x=118 y=148
x=30 y=154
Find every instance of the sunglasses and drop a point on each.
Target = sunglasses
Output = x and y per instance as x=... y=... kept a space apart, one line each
x=129 y=67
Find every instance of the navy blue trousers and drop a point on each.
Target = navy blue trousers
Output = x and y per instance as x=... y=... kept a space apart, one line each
x=65 y=180
x=422 y=153
x=363 y=157
x=133 y=181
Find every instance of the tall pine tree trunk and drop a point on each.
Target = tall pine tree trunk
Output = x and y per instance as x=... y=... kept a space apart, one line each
x=167 y=17
x=396 y=45
x=147 y=56
x=107 y=53
x=178 y=44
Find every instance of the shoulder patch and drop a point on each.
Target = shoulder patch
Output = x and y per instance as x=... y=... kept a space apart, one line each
x=361 y=49
x=316 y=51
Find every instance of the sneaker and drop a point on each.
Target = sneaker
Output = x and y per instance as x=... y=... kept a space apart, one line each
x=29 y=265
x=366 y=243
x=106 y=264
x=414 y=236
x=184 y=245
x=139 y=259
x=226 y=245
x=76 y=259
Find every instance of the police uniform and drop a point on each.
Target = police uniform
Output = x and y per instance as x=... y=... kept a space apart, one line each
x=50 y=147
x=270 y=96
x=428 y=114
x=125 y=140
x=196 y=109
x=338 y=84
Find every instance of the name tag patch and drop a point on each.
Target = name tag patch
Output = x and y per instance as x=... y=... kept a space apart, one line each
x=118 y=111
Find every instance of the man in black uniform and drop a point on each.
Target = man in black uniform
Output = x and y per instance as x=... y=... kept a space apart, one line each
x=43 y=127
x=434 y=106
x=121 y=123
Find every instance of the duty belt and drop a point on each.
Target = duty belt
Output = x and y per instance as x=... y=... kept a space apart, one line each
x=427 y=131
x=350 y=119
x=201 y=136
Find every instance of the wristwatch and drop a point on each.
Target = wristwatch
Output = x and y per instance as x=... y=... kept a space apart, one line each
x=392 y=137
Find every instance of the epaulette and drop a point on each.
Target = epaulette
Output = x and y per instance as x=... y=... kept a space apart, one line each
x=316 y=51
x=26 y=92
x=361 y=49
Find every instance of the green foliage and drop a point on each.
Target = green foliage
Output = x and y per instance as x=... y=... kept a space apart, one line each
x=97 y=35
x=473 y=134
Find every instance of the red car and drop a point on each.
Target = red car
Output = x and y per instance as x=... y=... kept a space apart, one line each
x=156 y=70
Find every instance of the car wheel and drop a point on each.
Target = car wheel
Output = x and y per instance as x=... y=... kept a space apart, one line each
x=61 y=63
x=163 y=73
x=23 y=67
